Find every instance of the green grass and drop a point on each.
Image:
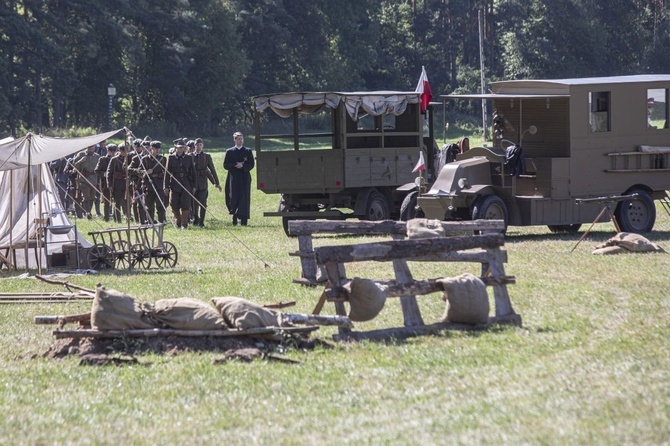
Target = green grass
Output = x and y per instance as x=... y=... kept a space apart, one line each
x=591 y=364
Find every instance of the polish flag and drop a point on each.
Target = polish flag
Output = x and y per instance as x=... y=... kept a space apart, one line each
x=421 y=165
x=423 y=87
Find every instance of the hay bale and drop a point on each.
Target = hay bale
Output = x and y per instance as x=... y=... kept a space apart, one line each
x=420 y=228
x=188 y=314
x=114 y=310
x=467 y=300
x=242 y=314
x=366 y=299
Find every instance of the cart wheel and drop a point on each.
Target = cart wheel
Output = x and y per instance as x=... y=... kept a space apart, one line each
x=121 y=253
x=101 y=257
x=167 y=258
x=140 y=256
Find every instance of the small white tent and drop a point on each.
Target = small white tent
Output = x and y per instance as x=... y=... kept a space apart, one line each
x=28 y=195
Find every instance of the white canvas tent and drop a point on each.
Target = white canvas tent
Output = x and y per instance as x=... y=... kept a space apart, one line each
x=28 y=194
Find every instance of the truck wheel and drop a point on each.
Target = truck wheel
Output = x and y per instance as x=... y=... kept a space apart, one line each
x=378 y=207
x=636 y=215
x=565 y=228
x=490 y=207
x=408 y=209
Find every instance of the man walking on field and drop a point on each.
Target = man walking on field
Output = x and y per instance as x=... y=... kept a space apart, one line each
x=239 y=161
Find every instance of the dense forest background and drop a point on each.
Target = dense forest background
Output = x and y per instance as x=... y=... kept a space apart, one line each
x=191 y=66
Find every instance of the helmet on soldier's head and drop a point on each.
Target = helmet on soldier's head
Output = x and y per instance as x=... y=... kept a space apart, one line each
x=111 y=147
x=146 y=142
x=156 y=144
x=191 y=143
x=137 y=142
x=180 y=142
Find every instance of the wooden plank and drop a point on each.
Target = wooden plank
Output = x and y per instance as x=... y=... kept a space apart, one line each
x=410 y=308
x=404 y=249
x=309 y=227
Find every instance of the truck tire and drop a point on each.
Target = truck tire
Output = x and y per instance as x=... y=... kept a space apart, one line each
x=408 y=206
x=565 y=228
x=490 y=207
x=284 y=220
x=636 y=215
x=378 y=207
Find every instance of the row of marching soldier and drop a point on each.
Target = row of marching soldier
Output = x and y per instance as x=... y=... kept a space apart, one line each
x=149 y=181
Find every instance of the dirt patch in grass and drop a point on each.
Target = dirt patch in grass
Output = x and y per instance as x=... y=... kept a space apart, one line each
x=119 y=351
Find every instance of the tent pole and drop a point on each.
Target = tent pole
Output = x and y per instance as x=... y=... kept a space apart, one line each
x=25 y=252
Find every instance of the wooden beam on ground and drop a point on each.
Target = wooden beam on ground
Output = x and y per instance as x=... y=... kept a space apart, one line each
x=164 y=332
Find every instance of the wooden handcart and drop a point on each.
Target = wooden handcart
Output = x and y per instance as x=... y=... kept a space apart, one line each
x=131 y=247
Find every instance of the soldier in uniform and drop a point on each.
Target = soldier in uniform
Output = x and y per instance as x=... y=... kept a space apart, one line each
x=116 y=181
x=204 y=170
x=136 y=172
x=154 y=167
x=60 y=175
x=179 y=182
x=88 y=179
x=101 y=170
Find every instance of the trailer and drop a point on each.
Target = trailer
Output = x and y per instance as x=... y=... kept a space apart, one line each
x=131 y=247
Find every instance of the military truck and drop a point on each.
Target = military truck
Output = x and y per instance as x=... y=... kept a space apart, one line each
x=586 y=144
x=337 y=155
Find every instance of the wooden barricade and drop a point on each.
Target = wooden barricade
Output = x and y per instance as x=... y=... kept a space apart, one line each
x=483 y=249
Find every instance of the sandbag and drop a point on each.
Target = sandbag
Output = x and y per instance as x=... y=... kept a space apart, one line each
x=114 y=310
x=632 y=242
x=467 y=300
x=242 y=314
x=420 y=228
x=609 y=250
x=188 y=314
x=366 y=299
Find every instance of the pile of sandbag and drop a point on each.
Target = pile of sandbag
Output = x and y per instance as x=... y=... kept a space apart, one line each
x=115 y=310
x=625 y=242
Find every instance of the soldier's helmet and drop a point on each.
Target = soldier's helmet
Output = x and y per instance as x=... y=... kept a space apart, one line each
x=156 y=144
x=190 y=143
x=180 y=142
x=137 y=142
x=111 y=147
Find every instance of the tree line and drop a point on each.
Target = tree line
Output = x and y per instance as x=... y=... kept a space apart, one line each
x=192 y=66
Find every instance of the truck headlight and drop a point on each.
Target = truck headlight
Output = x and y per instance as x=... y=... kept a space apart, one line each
x=463 y=183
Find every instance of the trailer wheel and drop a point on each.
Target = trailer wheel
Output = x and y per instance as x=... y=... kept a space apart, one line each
x=637 y=215
x=378 y=207
x=284 y=220
x=565 y=228
x=490 y=207
x=408 y=209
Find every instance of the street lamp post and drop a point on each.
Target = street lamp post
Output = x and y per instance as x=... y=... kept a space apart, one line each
x=111 y=92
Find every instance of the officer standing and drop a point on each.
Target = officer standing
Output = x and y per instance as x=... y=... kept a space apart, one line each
x=204 y=170
x=238 y=162
x=101 y=170
x=60 y=175
x=154 y=166
x=179 y=182
x=136 y=172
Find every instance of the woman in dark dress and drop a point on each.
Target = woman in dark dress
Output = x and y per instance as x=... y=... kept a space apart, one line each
x=238 y=162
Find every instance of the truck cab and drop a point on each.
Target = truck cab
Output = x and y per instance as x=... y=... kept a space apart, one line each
x=584 y=143
x=340 y=155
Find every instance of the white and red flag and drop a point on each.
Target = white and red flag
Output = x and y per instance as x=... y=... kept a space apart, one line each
x=421 y=164
x=423 y=87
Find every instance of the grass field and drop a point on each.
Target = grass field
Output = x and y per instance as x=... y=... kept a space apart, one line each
x=591 y=364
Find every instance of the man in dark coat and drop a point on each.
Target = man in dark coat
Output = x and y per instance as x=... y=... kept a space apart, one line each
x=154 y=166
x=238 y=162
x=116 y=182
x=101 y=170
x=179 y=182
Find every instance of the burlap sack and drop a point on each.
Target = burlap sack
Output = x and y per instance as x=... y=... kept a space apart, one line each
x=418 y=228
x=240 y=313
x=114 y=310
x=634 y=242
x=366 y=299
x=467 y=300
x=188 y=314
x=609 y=250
